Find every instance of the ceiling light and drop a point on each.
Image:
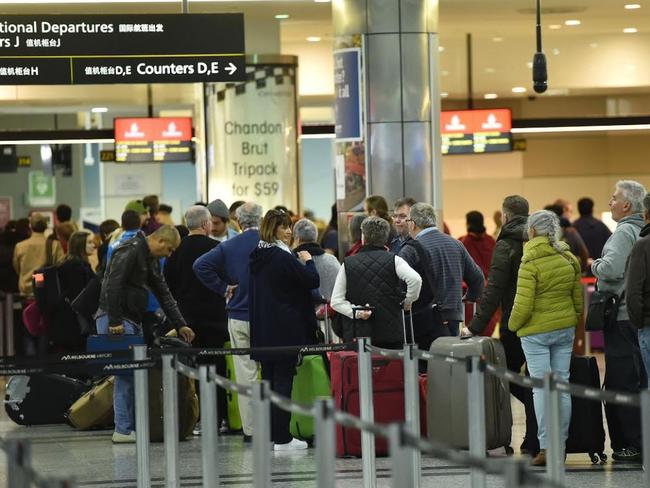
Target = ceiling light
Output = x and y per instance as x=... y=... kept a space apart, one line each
x=444 y=95
x=313 y=39
x=490 y=70
x=630 y=30
x=490 y=96
x=632 y=6
x=529 y=64
x=444 y=73
x=593 y=45
x=572 y=22
x=282 y=16
x=441 y=48
x=322 y=1
x=519 y=89
x=579 y=128
x=555 y=51
x=555 y=26
x=330 y=135
x=497 y=39
x=99 y=110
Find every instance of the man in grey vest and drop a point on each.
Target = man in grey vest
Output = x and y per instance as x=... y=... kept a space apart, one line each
x=373 y=278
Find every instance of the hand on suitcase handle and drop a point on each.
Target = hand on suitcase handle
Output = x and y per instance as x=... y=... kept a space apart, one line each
x=363 y=312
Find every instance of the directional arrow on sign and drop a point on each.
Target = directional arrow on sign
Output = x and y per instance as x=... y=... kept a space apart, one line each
x=231 y=68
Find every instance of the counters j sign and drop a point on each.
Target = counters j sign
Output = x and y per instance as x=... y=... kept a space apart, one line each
x=95 y=49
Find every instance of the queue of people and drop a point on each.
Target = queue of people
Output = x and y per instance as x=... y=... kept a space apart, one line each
x=256 y=279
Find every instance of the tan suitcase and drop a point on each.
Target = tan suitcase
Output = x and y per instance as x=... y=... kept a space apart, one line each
x=95 y=408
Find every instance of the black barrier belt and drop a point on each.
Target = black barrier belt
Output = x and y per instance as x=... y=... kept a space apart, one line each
x=217 y=352
x=91 y=368
x=64 y=358
x=586 y=392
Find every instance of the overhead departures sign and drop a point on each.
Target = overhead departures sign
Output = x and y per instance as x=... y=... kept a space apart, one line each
x=476 y=131
x=138 y=48
x=144 y=140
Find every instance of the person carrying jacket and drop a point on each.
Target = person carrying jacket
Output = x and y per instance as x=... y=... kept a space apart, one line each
x=281 y=313
x=637 y=288
x=624 y=370
x=373 y=277
x=500 y=292
x=133 y=272
x=448 y=264
x=548 y=304
x=225 y=271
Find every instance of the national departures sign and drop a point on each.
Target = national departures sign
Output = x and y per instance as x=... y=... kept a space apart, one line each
x=96 y=49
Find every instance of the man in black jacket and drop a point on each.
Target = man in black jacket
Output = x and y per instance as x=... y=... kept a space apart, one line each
x=134 y=270
x=500 y=292
x=637 y=287
x=203 y=308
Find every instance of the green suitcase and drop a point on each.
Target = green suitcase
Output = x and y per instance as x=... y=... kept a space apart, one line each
x=234 y=418
x=310 y=382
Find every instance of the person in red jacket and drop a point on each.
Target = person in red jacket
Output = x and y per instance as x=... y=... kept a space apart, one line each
x=479 y=245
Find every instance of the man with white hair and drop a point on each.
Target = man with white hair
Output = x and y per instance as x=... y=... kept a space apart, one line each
x=624 y=366
x=305 y=236
x=209 y=322
x=225 y=271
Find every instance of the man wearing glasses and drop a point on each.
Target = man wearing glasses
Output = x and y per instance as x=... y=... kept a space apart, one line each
x=401 y=213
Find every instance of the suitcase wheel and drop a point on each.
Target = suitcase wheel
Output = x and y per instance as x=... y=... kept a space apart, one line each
x=509 y=450
x=594 y=457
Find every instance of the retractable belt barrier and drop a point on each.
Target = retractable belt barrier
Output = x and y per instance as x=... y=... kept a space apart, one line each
x=20 y=473
x=404 y=440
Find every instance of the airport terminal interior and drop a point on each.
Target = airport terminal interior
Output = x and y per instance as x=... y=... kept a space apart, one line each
x=310 y=107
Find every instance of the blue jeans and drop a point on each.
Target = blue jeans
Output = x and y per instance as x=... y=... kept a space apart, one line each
x=644 y=344
x=545 y=353
x=123 y=395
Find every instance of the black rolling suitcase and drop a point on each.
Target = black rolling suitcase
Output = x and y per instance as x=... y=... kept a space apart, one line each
x=586 y=431
x=41 y=399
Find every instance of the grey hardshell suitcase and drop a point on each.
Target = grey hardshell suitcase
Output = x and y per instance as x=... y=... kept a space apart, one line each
x=447 y=394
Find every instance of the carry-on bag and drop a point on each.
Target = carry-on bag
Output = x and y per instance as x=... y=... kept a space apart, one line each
x=41 y=399
x=310 y=382
x=388 y=395
x=447 y=398
x=188 y=401
x=586 y=431
x=94 y=410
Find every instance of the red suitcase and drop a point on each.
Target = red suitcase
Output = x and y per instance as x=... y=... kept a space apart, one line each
x=388 y=398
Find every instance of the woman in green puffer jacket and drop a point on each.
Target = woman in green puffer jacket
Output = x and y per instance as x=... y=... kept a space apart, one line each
x=548 y=304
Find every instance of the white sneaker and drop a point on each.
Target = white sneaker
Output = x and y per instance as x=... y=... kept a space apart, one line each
x=197 y=429
x=123 y=438
x=294 y=445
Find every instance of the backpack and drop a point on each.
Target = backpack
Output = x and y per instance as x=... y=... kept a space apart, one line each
x=46 y=284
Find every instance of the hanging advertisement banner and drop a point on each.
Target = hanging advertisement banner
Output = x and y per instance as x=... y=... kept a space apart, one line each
x=253 y=136
x=351 y=174
x=124 y=48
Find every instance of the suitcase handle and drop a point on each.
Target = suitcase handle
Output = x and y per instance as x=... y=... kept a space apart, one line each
x=410 y=314
x=354 y=316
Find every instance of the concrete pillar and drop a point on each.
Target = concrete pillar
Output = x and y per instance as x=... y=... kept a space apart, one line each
x=400 y=101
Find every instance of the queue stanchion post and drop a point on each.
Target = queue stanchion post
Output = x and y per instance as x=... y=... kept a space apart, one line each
x=261 y=433
x=555 y=449
x=141 y=387
x=170 y=417
x=10 y=345
x=19 y=457
x=476 y=417
x=645 y=431
x=412 y=407
x=512 y=473
x=325 y=443
x=402 y=465
x=367 y=412
x=209 y=430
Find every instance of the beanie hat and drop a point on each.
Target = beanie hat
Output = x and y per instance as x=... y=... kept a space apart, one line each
x=218 y=209
x=136 y=206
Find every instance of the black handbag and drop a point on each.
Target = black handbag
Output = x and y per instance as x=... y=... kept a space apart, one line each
x=603 y=310
x=86 y=304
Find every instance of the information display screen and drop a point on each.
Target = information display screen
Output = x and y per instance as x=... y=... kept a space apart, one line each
x=161 y=139
x=476 y=131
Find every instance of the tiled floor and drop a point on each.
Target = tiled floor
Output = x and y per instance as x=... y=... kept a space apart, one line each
x=95 y=462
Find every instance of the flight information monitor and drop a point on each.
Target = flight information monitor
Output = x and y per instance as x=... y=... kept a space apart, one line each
x=161 y=139
x=476 y=131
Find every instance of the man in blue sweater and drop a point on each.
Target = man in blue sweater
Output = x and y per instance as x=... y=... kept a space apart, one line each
x=447 y=265
x=224 y=270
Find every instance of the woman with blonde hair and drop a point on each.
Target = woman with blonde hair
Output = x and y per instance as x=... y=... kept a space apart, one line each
x=547 y=306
